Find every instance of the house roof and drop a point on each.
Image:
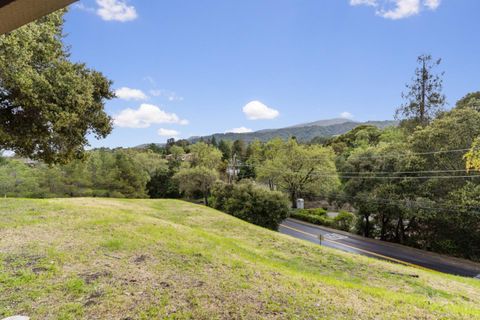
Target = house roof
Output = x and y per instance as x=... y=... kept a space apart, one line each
x=16 y=13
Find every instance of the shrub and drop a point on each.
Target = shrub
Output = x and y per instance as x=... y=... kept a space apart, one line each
x=315 y=219
x=251 y=203
x=344 y=221
x=320 y=212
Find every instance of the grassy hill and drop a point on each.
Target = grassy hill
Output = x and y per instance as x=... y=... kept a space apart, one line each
x=149 y=259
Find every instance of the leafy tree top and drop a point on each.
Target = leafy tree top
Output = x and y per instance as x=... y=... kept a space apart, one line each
x=48 y=104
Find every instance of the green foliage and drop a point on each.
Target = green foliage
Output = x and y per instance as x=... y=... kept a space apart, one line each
x=103 y=173
x=361 y=136
x=18 y=179
x=344 y=221
x=313 y=212
x=196 y=180
x=424 y=98
x=460 y=223
x=225 y=148
x=297 y=169
x=456 y=129
x=204 y=155
x=162 y=185
x=315 y=219
x=48 y=104
x=239 y=149
x=251 y=203
x=470 y=101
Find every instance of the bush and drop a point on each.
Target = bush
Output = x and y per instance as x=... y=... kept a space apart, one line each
x=162 y=185
x=320 y=212
x=344 y=221
x=315 y=219
x=251 y=203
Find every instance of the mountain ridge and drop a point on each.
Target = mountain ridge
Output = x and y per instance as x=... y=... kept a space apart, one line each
x=304 y=132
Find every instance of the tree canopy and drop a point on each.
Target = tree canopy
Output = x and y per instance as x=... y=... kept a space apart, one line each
x=48 y=104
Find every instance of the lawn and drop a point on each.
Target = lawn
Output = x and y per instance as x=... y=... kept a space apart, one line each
x=168 y=259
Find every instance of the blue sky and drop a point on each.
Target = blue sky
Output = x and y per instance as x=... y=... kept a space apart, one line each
x=193 y=67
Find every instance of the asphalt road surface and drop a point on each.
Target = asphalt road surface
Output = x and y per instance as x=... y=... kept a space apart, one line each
x=379 y=249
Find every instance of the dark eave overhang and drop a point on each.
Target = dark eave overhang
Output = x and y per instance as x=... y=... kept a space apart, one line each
x=16 y=13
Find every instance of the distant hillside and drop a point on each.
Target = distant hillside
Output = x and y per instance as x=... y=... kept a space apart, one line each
x=303 y=132
x=323 y=123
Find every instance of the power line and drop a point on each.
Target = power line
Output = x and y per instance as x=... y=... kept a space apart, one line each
x=399 y=155
x=409 y=203
x=422 y=153
x=386 y=172
x=341 y=175
x=405 y=177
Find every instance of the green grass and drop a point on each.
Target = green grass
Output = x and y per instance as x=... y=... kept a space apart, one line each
x=167 y=259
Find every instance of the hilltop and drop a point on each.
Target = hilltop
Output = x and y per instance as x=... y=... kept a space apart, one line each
x=149 y=259
x=303 y=132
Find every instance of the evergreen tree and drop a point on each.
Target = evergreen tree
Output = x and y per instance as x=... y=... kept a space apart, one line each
x=424 y=98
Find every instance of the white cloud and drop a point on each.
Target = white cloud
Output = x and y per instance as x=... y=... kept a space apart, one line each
x=167 y=94
x=346 y=115
x=145 y=116
x=256 y=110
x=167 y=133
x=402 y=9
x=116 y=10
x=239 y=130
x=371 y=3
x=398 y=9
x=432 y=4
x=130 y=94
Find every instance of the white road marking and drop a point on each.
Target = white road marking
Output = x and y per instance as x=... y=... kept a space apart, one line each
x=334 y=236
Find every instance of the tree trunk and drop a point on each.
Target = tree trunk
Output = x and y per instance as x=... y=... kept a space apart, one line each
x=423 y=97
x=400 y=236
x=366 y=230
x=205 y=198
x=384 y=228
x=293 y=198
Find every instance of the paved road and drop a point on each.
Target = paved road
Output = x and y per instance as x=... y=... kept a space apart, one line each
x=379 y=249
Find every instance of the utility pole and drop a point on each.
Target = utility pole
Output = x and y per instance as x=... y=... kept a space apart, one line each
x=232 y=170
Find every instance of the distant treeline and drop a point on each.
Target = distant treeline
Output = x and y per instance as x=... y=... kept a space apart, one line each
x=103 y=173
